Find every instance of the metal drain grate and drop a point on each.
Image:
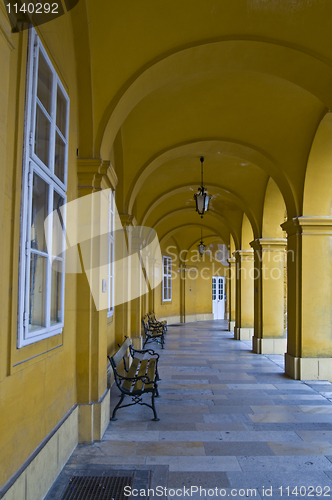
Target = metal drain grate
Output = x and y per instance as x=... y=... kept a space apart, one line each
x=97 y=488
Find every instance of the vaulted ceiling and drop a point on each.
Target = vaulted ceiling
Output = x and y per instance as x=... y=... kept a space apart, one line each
x=244 y=83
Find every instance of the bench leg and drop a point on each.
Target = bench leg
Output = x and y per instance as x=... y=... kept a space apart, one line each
x=116 y=408
x=153 y=406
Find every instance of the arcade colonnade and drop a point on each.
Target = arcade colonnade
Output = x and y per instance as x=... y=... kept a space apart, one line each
x=108 y=99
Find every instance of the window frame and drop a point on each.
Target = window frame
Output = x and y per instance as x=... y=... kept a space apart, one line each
x=110 y=275
x=33 y=165
x=168 y=276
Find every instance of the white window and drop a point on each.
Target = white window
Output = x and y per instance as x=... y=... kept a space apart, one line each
x=44 y=183
x=167 y=279
x=110 y=309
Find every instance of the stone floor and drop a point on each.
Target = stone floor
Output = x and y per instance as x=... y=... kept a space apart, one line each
x=229 y=419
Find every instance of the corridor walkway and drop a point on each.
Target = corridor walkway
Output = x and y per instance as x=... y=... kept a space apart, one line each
x=228 y=419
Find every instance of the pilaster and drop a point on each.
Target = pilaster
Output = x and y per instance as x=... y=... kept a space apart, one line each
x=269 y=257
x=244 y=316
x=231 y=279
x=309 y=348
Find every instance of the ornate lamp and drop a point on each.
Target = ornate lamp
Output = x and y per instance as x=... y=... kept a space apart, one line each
x=202 y=199
x=201 y=246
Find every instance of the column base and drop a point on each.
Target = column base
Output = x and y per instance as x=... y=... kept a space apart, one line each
x=231 y=326
x=308 y=368
x=93 y=419
x=269 y=345
x=243 y=333
x=137 y=342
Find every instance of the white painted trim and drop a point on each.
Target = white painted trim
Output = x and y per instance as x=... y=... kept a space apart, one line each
x=33 y=166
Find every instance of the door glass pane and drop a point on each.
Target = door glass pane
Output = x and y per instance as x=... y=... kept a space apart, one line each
x=56 y=292
x=59 y=158
x=57 y=244
x=44 y=86
x=37 y=291
x=39 y=213
x=61 y=112
x=42 y=137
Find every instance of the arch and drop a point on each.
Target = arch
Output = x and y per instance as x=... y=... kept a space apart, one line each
x=211 y=188
x=221 y=219
x=173 y=231
x=228 y=146
x=274 y=211
x=317 y=198
x=247 y=233
x=275 y=59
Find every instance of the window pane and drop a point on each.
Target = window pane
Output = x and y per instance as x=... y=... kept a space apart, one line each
x=56 y=292
x=39 y=213
x=61 y=112
x=57 y=243
x=59 y=158
x=37 y=292
x=44 y=87
x=42 y=137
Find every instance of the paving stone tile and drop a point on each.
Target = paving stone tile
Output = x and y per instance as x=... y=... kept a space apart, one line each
x=129 y=435
x=316 y=409
x=220 y=426
x=171 y=448
x=285 y=463
x=230 y=409
x=192 y=464
x=233 y=418
x=190 y=436
x=304 y=448
x=312 y=435
x=261 y=436
x=202 y=479
x=237 y=449
x=171 y=426
x=273 y=417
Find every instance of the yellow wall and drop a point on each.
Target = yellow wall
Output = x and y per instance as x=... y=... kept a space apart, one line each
x=38 y=382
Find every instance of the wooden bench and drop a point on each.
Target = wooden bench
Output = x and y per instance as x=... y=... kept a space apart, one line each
x=154 y=321
x=137 y=379
x=153 y=333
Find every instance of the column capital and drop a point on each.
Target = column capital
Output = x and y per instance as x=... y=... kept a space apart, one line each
x=269 y=244
x=109 y=177
x=243 y=255
x=87 y=170
x=127 y=220
x=307 y=224
x=231 y=261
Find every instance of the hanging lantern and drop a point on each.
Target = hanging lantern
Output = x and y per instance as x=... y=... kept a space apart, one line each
x=201 y=246
x=202 y=199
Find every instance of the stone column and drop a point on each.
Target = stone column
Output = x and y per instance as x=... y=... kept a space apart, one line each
x=183 y=271
x=91 y=361
x=123 y=279
x=309 y=267
x=231 y=279
x=244 y=317
x=269 y=257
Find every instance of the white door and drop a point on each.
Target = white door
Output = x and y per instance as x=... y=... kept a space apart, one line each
x=218 y=297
